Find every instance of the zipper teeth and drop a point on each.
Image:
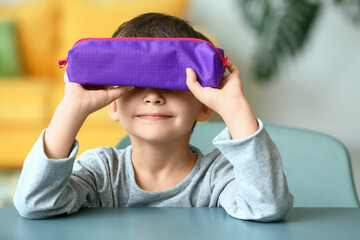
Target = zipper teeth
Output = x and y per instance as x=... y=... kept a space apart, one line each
x=148 y=38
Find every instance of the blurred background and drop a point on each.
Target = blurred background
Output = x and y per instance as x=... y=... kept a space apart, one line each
x=299 y=63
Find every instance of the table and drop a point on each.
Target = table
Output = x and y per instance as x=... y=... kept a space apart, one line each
x=181 y=223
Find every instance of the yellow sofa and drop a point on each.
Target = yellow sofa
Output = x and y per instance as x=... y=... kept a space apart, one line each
x=46 y=30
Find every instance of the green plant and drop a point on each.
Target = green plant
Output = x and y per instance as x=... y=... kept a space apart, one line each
x=283 y=28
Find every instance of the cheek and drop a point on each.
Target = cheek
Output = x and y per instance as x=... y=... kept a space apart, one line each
x=190 y=109
x=127 y=103
x=125 y=112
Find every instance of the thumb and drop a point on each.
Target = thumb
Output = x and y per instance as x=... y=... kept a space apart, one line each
x=117 y=91
x=192 y=83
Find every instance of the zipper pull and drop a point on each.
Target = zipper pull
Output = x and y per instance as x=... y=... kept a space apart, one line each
x=63 y=62
x=224 y=61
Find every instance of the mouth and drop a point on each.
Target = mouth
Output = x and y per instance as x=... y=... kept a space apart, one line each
x=153 y=116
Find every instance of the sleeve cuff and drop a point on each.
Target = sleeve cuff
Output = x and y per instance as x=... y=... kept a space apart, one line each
x=38 y=156
x=224 y=135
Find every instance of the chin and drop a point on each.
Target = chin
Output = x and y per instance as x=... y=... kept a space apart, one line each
x=161 y=137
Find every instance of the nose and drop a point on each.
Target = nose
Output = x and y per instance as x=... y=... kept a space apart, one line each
x=153 y=96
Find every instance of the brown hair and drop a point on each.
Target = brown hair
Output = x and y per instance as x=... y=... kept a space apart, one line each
x=158 y=25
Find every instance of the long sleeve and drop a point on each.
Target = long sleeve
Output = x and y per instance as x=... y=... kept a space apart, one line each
x=258 y=189
x=243 y=176
x=46 y=187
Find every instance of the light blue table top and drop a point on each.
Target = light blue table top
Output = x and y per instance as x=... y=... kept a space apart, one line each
x=181 y=223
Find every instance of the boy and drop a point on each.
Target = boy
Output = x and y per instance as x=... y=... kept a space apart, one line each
x=243 y=175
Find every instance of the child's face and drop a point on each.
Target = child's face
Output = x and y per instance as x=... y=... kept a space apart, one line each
x=158 y=114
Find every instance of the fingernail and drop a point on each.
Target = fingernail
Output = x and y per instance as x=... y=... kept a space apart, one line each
x=130 y=88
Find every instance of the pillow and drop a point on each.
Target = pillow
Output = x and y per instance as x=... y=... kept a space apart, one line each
x=35 y=23
x=9 y=60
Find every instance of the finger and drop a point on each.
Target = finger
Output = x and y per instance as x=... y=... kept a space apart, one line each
x=118 y=91
x=232 y=67
x=95 y=88
x=66 y=79
x=192 y=83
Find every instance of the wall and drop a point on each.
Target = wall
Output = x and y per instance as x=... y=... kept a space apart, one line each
x=317 y=90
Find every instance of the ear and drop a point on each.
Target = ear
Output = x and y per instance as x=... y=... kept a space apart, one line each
x=113 y=111
x=204 y=113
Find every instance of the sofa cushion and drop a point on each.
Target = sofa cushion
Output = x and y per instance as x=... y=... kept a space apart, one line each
x=24 y=112
x=23 y=100
x=35 y=22
x=9 y=59
x=88 y=18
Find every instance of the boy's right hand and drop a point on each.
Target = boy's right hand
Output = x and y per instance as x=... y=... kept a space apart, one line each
x=91 y=99
x=71 y=113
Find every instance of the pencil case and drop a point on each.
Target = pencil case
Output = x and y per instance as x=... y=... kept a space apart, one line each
x=144 y=62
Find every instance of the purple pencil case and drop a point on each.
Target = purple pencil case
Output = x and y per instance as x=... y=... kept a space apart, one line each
x=144 y=62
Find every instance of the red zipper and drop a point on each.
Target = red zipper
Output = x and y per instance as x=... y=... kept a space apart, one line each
x=63 y=62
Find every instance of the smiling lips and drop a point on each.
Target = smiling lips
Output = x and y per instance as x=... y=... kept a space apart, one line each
x=153 y=116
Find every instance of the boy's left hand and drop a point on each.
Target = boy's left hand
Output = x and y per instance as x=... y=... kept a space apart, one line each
x=228 y=91
x=228 y=100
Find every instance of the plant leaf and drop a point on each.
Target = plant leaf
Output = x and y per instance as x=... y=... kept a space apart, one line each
x=257 y=14
x=286 y=35
x=351 y=8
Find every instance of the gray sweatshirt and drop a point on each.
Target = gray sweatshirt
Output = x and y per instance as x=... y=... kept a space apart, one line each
x=245 y=177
